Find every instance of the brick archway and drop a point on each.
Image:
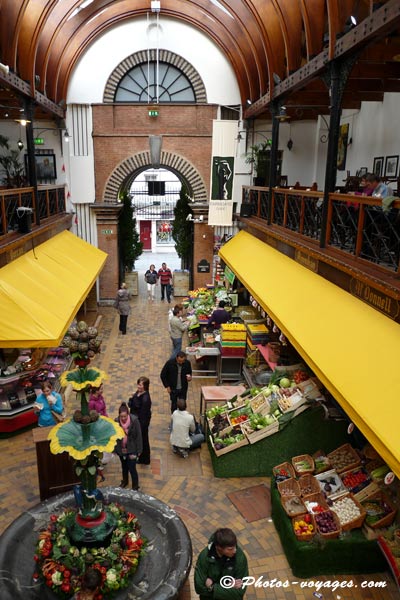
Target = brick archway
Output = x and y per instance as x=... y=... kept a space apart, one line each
x=141 y=161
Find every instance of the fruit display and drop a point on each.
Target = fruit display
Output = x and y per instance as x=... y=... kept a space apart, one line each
x=327 y=523
x=356 y=479
x=315 y=507
x=239 y=415
x=348 y=510
x=300 y=375
x=344 y=458
x=303 y=526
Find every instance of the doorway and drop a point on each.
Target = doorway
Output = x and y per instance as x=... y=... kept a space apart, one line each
x=145 y=234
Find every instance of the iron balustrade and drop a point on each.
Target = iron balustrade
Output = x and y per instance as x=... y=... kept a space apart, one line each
x=357 y=226
x=51 y=201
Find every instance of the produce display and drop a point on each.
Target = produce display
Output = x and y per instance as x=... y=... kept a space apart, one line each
x=315 y=507
x=321 y=463
x=293 y=505
x=283 y=471
x=240 y=415
x=330 y=483
x=233 y=436
x=356 y=480
x=326 y=523
x=303 y=464
x=303 y=527
x=380 y=511
x=347 y=510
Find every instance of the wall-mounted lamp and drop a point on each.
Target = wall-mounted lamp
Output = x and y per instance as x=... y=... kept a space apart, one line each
x=155 y=5
x=249 y=102
x=282 y=116
x=5 y=69
x=239 y=136
x=66 y=136
x=20 y=144
x=23 y=122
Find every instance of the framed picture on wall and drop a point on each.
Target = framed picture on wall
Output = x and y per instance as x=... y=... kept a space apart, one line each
x=391 y=166
x=45 y=166
x=378 y=166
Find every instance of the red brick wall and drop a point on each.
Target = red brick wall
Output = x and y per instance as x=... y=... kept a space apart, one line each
x=203 y=249
x=120 y=132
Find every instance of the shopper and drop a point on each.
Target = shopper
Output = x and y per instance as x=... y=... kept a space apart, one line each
x=165 y=277
x=220 y=562
x=140 y=405
x=177 y=327
x=123 y=307
x=150 y=278
x=183 y=431
x=175 y=376
x=46 y=403
x=219 y=316
x=130 y=447
x=96 y=400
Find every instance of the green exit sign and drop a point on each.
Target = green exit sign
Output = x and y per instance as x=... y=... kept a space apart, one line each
x=38 y=141
x=153 y=113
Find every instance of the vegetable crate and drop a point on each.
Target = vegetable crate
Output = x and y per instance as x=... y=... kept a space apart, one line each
x=293 y=402
x=355 y=480
x=259 y=404
x=318 y=524
x=310 y=389
x=376 y=502
x=255 y=435
x=230 y=447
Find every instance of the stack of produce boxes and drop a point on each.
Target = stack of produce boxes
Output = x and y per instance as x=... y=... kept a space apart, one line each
x=256 y=334
x=233 y=339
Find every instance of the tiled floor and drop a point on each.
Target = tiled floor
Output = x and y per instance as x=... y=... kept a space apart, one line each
x=188 y=486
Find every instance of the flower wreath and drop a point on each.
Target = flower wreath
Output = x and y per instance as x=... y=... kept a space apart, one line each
x=61 y=565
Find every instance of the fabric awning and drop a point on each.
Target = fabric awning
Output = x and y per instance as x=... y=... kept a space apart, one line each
x=352 y=348
x=41 y=291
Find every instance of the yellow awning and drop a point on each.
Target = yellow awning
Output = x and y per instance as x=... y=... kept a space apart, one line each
x=352 y=348
x=41 y=291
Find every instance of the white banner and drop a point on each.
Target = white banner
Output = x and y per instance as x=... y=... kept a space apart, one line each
x=220 y=212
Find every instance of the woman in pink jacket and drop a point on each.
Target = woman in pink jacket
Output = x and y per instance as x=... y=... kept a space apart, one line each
x=96 y=401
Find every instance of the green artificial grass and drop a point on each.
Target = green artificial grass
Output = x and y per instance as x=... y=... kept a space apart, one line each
x=349 y=554
x=305 y=434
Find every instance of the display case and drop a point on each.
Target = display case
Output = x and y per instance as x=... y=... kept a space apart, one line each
x=20 y=384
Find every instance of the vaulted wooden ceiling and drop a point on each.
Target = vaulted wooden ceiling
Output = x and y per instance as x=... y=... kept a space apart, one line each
x=276 y=47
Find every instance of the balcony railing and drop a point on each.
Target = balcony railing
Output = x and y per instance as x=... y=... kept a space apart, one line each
x=51 y=201
x=356 y=225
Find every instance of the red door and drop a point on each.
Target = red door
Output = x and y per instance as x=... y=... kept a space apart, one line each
x=145 y=234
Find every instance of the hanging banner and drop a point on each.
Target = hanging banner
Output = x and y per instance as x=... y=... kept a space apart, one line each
x=222 y=177
x=220 y=212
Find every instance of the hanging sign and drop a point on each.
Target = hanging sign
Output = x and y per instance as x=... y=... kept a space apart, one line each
x=203 y=266
x=229 y=275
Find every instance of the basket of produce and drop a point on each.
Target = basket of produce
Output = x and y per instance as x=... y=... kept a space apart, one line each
x=350 y=512
x=327 y=524
x=380 y=510
x=330 y=483
x=283 y=471
x=344 y=458
x=303 y=464
x=293 y=505
x=228 y=440
x=303 y=527
x=356 y=479
x=239 y=415
x=288 y=487
x=219 y=421
x=308 y=485
x=321 y=462
x=315 y=503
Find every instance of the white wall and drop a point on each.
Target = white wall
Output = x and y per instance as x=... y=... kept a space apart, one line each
x=90 y=76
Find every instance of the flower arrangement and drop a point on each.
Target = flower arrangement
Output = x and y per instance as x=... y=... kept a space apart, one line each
x=61 y=565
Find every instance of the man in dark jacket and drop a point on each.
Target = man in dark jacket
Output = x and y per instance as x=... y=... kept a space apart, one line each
x=175 y=376
x=220 y=568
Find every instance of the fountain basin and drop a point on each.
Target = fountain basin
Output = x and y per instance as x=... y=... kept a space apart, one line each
x=161 y=572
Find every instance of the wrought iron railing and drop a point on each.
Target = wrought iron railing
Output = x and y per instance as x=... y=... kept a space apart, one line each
x=51 y=201
x=355 y=225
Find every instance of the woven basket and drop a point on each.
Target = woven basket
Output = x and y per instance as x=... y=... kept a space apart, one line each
x=284 y=465
x=355 y=522
x=317 y=497
x=389 y=517
x=290 y=509
x=332 y=534
x=305 y=536
x=353 y=460
x=303 y=457
x=289 y=487
x=308 y=485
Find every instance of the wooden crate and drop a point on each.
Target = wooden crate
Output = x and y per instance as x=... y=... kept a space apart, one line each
x=367 y=491
x=362 y=485
x=231 y=448
x=259 y=434
x=293 y=402
x=180 y=280
x=259 y=404
x=389 y=517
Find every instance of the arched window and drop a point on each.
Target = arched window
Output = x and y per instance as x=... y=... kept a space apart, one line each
x=141 y=84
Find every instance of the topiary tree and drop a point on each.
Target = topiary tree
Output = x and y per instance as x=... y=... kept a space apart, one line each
x=182 y=229
x=130 y=246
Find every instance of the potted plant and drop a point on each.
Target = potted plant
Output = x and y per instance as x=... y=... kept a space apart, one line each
x=130 y=246
x=259 y=157
x=14 y=172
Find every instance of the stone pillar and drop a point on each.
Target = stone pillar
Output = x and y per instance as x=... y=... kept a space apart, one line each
x=107 y=240
x=203 y=246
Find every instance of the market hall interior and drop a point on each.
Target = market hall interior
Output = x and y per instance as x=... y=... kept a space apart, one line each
x=187 y=486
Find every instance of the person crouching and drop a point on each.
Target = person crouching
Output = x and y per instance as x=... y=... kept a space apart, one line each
x=183 y=437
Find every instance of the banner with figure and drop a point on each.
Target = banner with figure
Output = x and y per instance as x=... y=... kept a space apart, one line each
x=222 y=178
